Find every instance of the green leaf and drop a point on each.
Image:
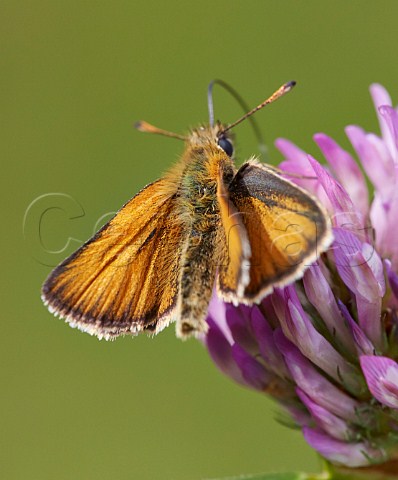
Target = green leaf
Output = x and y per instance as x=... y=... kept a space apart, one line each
x=329 y=473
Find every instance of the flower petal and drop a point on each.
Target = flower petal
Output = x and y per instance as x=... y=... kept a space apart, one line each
x=380 y=173
x=363 y=344
x=392 y=278
x=297 y=163
x=381 y=374
x=296 y=159
x=217 y=311
x=346 y=170
x=345 y=214
x=322 y=298
x=361 y=269
x=331 y=424
x=315 y=385
x=252 y=371
x=299 y=329
x=358 y=264
x=220 y=351
x=383 y=213
x=265 y=337
x=381 y=97
x=390 y=115
x=238 y=320
x=359 y=454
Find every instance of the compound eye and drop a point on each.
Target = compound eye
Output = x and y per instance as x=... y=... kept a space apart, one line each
x=226 y=145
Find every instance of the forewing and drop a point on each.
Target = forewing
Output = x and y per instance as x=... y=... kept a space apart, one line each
x=287 y=228
x=233 y=246
x=125 y=279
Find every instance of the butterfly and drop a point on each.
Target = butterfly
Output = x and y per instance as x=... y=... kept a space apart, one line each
x=205 y=224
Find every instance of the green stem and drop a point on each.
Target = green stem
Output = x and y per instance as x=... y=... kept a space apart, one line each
x=385 y=471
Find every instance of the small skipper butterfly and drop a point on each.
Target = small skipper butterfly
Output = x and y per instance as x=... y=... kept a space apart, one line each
x=204 y=224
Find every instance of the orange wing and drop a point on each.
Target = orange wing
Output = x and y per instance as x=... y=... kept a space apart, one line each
x=287 y=230
x=233 y=247
x=125 y=279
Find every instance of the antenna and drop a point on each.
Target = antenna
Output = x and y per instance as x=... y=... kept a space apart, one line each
x=278 y=94
x=148 y=128
x=242 y=103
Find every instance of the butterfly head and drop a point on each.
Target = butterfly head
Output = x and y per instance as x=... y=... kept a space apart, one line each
x=214 y=136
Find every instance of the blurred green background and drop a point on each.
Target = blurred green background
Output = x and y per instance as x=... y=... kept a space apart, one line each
x=74 y=78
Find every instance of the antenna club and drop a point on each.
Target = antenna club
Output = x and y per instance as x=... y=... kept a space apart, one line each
x=142 y=126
